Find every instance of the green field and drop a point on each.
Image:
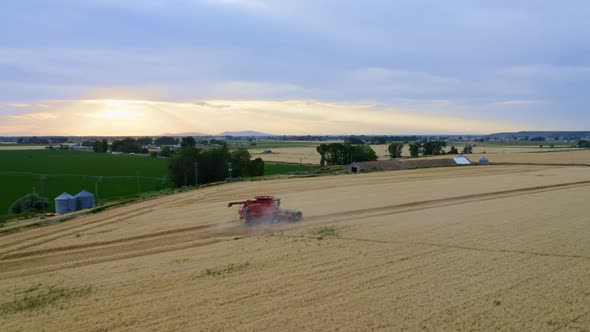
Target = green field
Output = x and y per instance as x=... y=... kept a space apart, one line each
x=273 y=169
x=50 y=173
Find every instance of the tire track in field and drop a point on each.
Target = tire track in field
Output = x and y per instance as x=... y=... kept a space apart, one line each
x=130 y=208
x=80 y=259
x=177 y=239
x=72 y=225
x=463 y=199
x=44 y=238
x=21 y=254
x=82 y=226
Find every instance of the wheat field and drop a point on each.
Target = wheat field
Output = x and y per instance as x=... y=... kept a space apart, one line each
x=506 y=154
x=447 y=249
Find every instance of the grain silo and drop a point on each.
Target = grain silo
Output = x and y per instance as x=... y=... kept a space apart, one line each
x=484 y=161
x=85 y=200
x=65 y=203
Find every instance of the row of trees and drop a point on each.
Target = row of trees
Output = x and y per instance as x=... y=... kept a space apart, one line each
x=427 y=148
x=344 y=153
x=211 y=164
x=126 y=145
x=584 y=144
x=42 y=140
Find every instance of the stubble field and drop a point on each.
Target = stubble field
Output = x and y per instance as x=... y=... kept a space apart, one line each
x=465 y=248
x=499 y=154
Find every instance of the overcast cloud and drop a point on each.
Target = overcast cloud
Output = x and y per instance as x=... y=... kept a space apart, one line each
x=516 y=64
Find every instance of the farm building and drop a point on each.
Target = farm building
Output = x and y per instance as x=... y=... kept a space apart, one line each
x=85 y=200
x=65 y=203
x=366 y=166
x=462 y=160
x=484 y=161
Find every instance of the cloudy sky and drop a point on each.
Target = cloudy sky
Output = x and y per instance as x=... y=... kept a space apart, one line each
x=146 y=67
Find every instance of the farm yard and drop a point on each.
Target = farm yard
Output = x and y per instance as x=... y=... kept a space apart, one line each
x=501 y=247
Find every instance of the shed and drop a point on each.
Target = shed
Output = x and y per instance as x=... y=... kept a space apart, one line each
x=85 y=200
x=462 y=160
x=65 y=203
x=484 y=161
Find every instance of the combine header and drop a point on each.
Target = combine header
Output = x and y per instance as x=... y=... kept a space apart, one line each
x=265 y=209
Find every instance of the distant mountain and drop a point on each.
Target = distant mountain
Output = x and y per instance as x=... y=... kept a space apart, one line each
x=244 y=133
x=183 y=134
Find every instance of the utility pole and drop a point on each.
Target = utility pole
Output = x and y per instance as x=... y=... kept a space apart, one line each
x=196 y=175
x=229 y=169
x=137 y=177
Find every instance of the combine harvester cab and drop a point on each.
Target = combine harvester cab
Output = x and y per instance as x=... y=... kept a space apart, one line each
x=265 y=209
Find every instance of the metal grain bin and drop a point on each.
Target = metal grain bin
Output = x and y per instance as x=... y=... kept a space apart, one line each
x=85 y=200
x=65 y=203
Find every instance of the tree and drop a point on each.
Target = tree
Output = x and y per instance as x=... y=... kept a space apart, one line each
x=537 y=139
x=188 y=141
x=433 y=148
x=453 y=150
x=240 y=159
x=58 y=139
x=353 y=140
x=166 y=140
x=105 y=145
x=340 y=154
x=181 y=169
x=256 y=167
x=360 y=153
x=415 y=149
x=322 y=149
x=166 y=152
x=378 y=139
x=336 y=154
x=126 y=145
x=467 y=149
x=29 y=203
x=213 y=164
x=145 y=141
x=97 y=147
x=584 y=144
x=395 y=149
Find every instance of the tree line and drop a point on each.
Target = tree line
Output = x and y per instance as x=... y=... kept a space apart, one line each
x=344 y=153
x=210 y=164
x=425 y=148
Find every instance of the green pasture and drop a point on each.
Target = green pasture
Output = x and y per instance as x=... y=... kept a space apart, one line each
x=51 y=172
x=273 y=169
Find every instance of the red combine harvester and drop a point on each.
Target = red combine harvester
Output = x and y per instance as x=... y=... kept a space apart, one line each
x=265 y=209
